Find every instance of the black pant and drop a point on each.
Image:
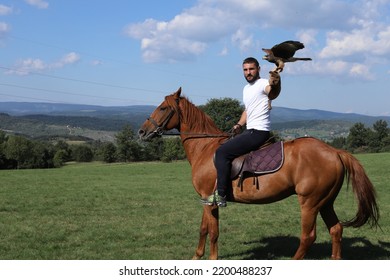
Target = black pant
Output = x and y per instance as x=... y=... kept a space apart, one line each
x=243 y=143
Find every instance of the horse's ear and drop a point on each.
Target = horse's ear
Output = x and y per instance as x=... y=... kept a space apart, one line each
x=177 y=93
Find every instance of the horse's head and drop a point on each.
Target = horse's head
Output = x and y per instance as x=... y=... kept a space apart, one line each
x=165 y=117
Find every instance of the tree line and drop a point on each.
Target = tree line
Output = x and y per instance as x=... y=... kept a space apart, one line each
x=18 y=152
x=362 y=139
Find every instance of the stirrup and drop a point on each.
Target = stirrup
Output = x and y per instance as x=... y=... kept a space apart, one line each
x=214 y=199
x=209 y=201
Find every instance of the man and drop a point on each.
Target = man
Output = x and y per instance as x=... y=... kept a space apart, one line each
x=256 y=116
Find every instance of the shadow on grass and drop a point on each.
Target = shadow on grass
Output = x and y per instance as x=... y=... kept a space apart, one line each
x=284 y=247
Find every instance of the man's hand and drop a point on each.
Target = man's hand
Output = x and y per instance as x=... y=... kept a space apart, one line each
x=275 y=85
x=274 y=78
x=237 y=129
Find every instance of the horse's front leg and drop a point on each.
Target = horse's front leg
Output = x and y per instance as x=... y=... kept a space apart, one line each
x=209 y=225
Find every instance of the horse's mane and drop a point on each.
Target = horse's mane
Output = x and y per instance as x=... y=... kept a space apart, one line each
x=198 y=120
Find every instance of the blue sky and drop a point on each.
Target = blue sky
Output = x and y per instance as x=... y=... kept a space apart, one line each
x=135 y=52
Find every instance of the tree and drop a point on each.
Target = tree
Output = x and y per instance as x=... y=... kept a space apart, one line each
x=381 y=129
x=5 y=162
x=339 y=142
x=19 y=149
x=82 y=153
x=358 y=137
x=386 y=144
x=3 y=137
x=153 y=149
x=60 y=157
x=3 y=158
x=225 y=112
x=42 y=155
x=378 y=136
x=128 y=148
x=172 y=149
x=108 y=152
x=65 y=153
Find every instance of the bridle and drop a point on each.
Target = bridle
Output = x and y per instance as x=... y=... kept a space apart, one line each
x=160 y=129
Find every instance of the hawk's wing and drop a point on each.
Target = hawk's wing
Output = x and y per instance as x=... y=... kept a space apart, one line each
x=287 y=49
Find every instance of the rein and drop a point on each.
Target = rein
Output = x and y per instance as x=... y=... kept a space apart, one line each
x=160 y=129
x=201 y=135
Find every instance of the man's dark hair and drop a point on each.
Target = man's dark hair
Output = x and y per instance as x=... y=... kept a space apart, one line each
x=251 y=60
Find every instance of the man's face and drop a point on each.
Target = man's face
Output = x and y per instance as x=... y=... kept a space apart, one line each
x=251 y=72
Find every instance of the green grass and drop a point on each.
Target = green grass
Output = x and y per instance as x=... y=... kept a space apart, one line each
x=150 y=211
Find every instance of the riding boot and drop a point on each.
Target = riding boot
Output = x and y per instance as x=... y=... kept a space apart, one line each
x=214 y=199
x=220 y=199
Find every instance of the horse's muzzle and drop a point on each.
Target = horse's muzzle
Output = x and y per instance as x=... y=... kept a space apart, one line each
x=144 y=135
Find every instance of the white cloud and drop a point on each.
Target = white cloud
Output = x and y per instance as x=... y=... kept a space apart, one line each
x=182 y=38
x=24 y=67
x=361 y=48
x=189 y=33
x=360 y=70
x=308 y=36
x=38 y=3
x=69 y=58
x=336 y=69
x=341 y=36
x=383 y=42
x=31 y=65
x=5 y=10
x=224 y=51
x=170 y=49
x=243 y=40
x=342 y=44
x=96 y=62
x=4 y=28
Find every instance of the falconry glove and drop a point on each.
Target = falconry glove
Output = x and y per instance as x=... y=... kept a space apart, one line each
x=275 y=83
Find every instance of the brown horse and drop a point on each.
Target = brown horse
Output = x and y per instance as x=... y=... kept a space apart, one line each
x=312 y=170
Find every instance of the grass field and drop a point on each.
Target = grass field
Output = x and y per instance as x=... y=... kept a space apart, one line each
x=150 y=211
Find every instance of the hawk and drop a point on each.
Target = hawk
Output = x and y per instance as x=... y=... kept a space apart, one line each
x=283 y=52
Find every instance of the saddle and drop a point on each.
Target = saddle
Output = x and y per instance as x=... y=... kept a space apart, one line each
x=269 y=158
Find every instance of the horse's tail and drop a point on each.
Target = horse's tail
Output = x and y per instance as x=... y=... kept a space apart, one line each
x=364 y=191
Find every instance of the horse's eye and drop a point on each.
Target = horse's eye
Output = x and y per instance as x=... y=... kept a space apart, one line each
x=162 y=109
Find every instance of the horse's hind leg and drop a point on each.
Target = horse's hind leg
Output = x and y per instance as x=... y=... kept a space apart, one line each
x=209 y=225
x=335 y=229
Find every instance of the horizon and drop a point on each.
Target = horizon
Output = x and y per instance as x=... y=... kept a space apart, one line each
x=126 y=53
x=154 y=106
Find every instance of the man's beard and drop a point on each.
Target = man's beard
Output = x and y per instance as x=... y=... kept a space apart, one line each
x=251 y=79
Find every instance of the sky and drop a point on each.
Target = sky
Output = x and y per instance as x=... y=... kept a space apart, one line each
x=122 y=52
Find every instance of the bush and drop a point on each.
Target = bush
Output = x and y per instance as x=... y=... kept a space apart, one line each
x=108 y=151
x=82 y=153
x=172 y=149
x=60 y=157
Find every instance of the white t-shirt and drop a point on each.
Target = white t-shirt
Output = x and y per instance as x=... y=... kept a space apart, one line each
x=256 y=105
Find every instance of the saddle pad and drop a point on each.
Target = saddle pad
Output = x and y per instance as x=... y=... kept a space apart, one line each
x=266 y=160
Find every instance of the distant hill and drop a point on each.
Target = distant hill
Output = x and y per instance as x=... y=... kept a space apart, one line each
x=39 y=120
x=282 y=114
x=279 y=114
x=30 y=108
